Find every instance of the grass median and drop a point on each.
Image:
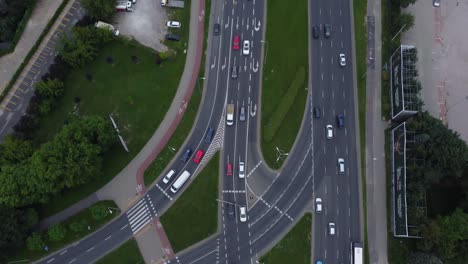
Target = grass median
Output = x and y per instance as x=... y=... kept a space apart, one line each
x=295 y=247
x=84 y=219
x=188 y=120
x=127 y=253
x=284 y=92
x=196 y=207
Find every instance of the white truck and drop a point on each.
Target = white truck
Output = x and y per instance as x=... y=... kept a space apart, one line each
x=110 y=27
x=230 y=115
x=173 y=3
x=124 y=6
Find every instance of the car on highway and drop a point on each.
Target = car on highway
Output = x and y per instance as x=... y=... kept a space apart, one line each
x=342 y=60
x=236 y=43
x=340 y=120
x=174 y=24
x=341 y=167
x=169 y=176
x=318 y=205
x=234 y=71
x=229 y=169
x=329 y=131
x=243 y=214
x=246 y=48
x=316 y=32
x=327 y=30
x=231 y=209
x=216 y=29
x=209 y=135
x=198 y=156
x=242 y=113
x=186 y=155
x=331 y=229
x=436 y=3
x=241 y=169
x=317 y=112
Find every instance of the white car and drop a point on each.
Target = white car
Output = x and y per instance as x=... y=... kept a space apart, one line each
x=342 y=60
x=341 y=168
x=329 y=131
x=241 y=169
x=331 y=229
x=318 y=205
x=436 y=3
x=174 y=24
x=243 y=214
x=246 y=48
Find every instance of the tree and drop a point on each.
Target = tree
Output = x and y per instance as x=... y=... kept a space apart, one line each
x=48 y=91
x=14 y=150
x=406 y=3
x=35 y=242
x=57 y=232
x=100 y=9
x=99 y=211
x=406 y=20
x=77 y=227
x=11 y=229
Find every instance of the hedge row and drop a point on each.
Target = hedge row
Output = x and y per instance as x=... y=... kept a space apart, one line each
x=280 y=112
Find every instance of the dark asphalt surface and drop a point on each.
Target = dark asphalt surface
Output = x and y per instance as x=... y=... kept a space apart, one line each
x=16 y=106
x=312 y=164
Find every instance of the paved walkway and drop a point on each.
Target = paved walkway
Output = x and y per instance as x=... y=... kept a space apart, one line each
x=41 y=15
x=375 y=151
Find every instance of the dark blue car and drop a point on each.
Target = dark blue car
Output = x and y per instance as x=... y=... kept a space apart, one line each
x=209 y=135
x=186 y=156
x=340 y=120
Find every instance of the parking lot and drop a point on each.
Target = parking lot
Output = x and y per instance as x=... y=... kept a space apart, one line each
x=146 y=24
x=441 y=40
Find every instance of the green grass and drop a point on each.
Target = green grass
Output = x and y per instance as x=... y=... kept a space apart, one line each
x=185 y=125
x=295 y=247
x=360 y=11
x=198 y=205
x=280 y=69
x=127 y=253
x=24 y=253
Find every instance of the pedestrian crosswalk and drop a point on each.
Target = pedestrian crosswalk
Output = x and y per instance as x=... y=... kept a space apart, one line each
x=141 y=214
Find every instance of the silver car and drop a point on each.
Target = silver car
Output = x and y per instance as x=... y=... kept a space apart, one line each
x=242 y=113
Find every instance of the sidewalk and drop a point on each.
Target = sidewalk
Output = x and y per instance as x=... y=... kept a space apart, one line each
x=41 y=15
x=375 y=140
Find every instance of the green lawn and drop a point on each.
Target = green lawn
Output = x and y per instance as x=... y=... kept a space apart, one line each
x=283 y=58
x=127 y=253
x=295 y=247
x=360 y=11
x=137 y=94
x=198 y=205
x=84 y=217
x=185 y=125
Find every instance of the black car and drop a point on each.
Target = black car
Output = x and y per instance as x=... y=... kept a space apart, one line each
x=186 y=155
x=216 y=29
x=317 y=112
x=172 y=37
x=327 y=30
x=234 y=72
x=316 y=32
x=209 y=135
x=340 y=120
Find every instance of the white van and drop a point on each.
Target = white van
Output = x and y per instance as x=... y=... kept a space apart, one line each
x=180 y=181
x=168 y=176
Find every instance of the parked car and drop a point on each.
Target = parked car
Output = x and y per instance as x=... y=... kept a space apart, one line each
x=236 y=42
x=327 y=30
x=198 y=156
x=172 y=37
x=216 y=29
x=246 y=48
x=316 y=32
x=174 y=24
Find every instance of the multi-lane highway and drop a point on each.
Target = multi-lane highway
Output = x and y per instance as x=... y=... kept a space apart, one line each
x=309 y=172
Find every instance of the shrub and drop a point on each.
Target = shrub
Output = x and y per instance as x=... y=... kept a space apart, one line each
x=57 y=232
x=35 y=242
x=99 y=211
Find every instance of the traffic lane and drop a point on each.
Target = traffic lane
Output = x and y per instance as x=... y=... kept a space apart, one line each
x=203 y=252
x=79 y=250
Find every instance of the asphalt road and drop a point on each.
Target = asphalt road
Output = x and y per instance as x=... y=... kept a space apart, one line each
x=312 y=164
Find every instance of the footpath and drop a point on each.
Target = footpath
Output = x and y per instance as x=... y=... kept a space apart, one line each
x=375 y=140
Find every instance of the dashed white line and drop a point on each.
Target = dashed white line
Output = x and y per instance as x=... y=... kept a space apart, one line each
x=124 y=227
x=71 y=261
x=50 y=260
x=91 y=248
x=63 y=252
x=107 y=238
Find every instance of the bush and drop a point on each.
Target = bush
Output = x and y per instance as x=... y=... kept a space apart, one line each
x=57 y=232
x=35 y=242
x=276 y=119
x=99 y=212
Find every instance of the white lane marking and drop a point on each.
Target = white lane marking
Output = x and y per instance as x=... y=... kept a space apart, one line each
x=50 y=260
x=164 y=192
x=107 y=238
x=71 y=261
x=91 y=248
x=63 y=252
x=124 y=227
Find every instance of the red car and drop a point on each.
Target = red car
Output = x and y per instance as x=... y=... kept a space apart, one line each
x=229 y=169
x=236 y=43
x=198 y=156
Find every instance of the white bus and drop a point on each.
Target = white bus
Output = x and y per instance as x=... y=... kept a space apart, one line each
x=356 y=253
x=180 y=181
